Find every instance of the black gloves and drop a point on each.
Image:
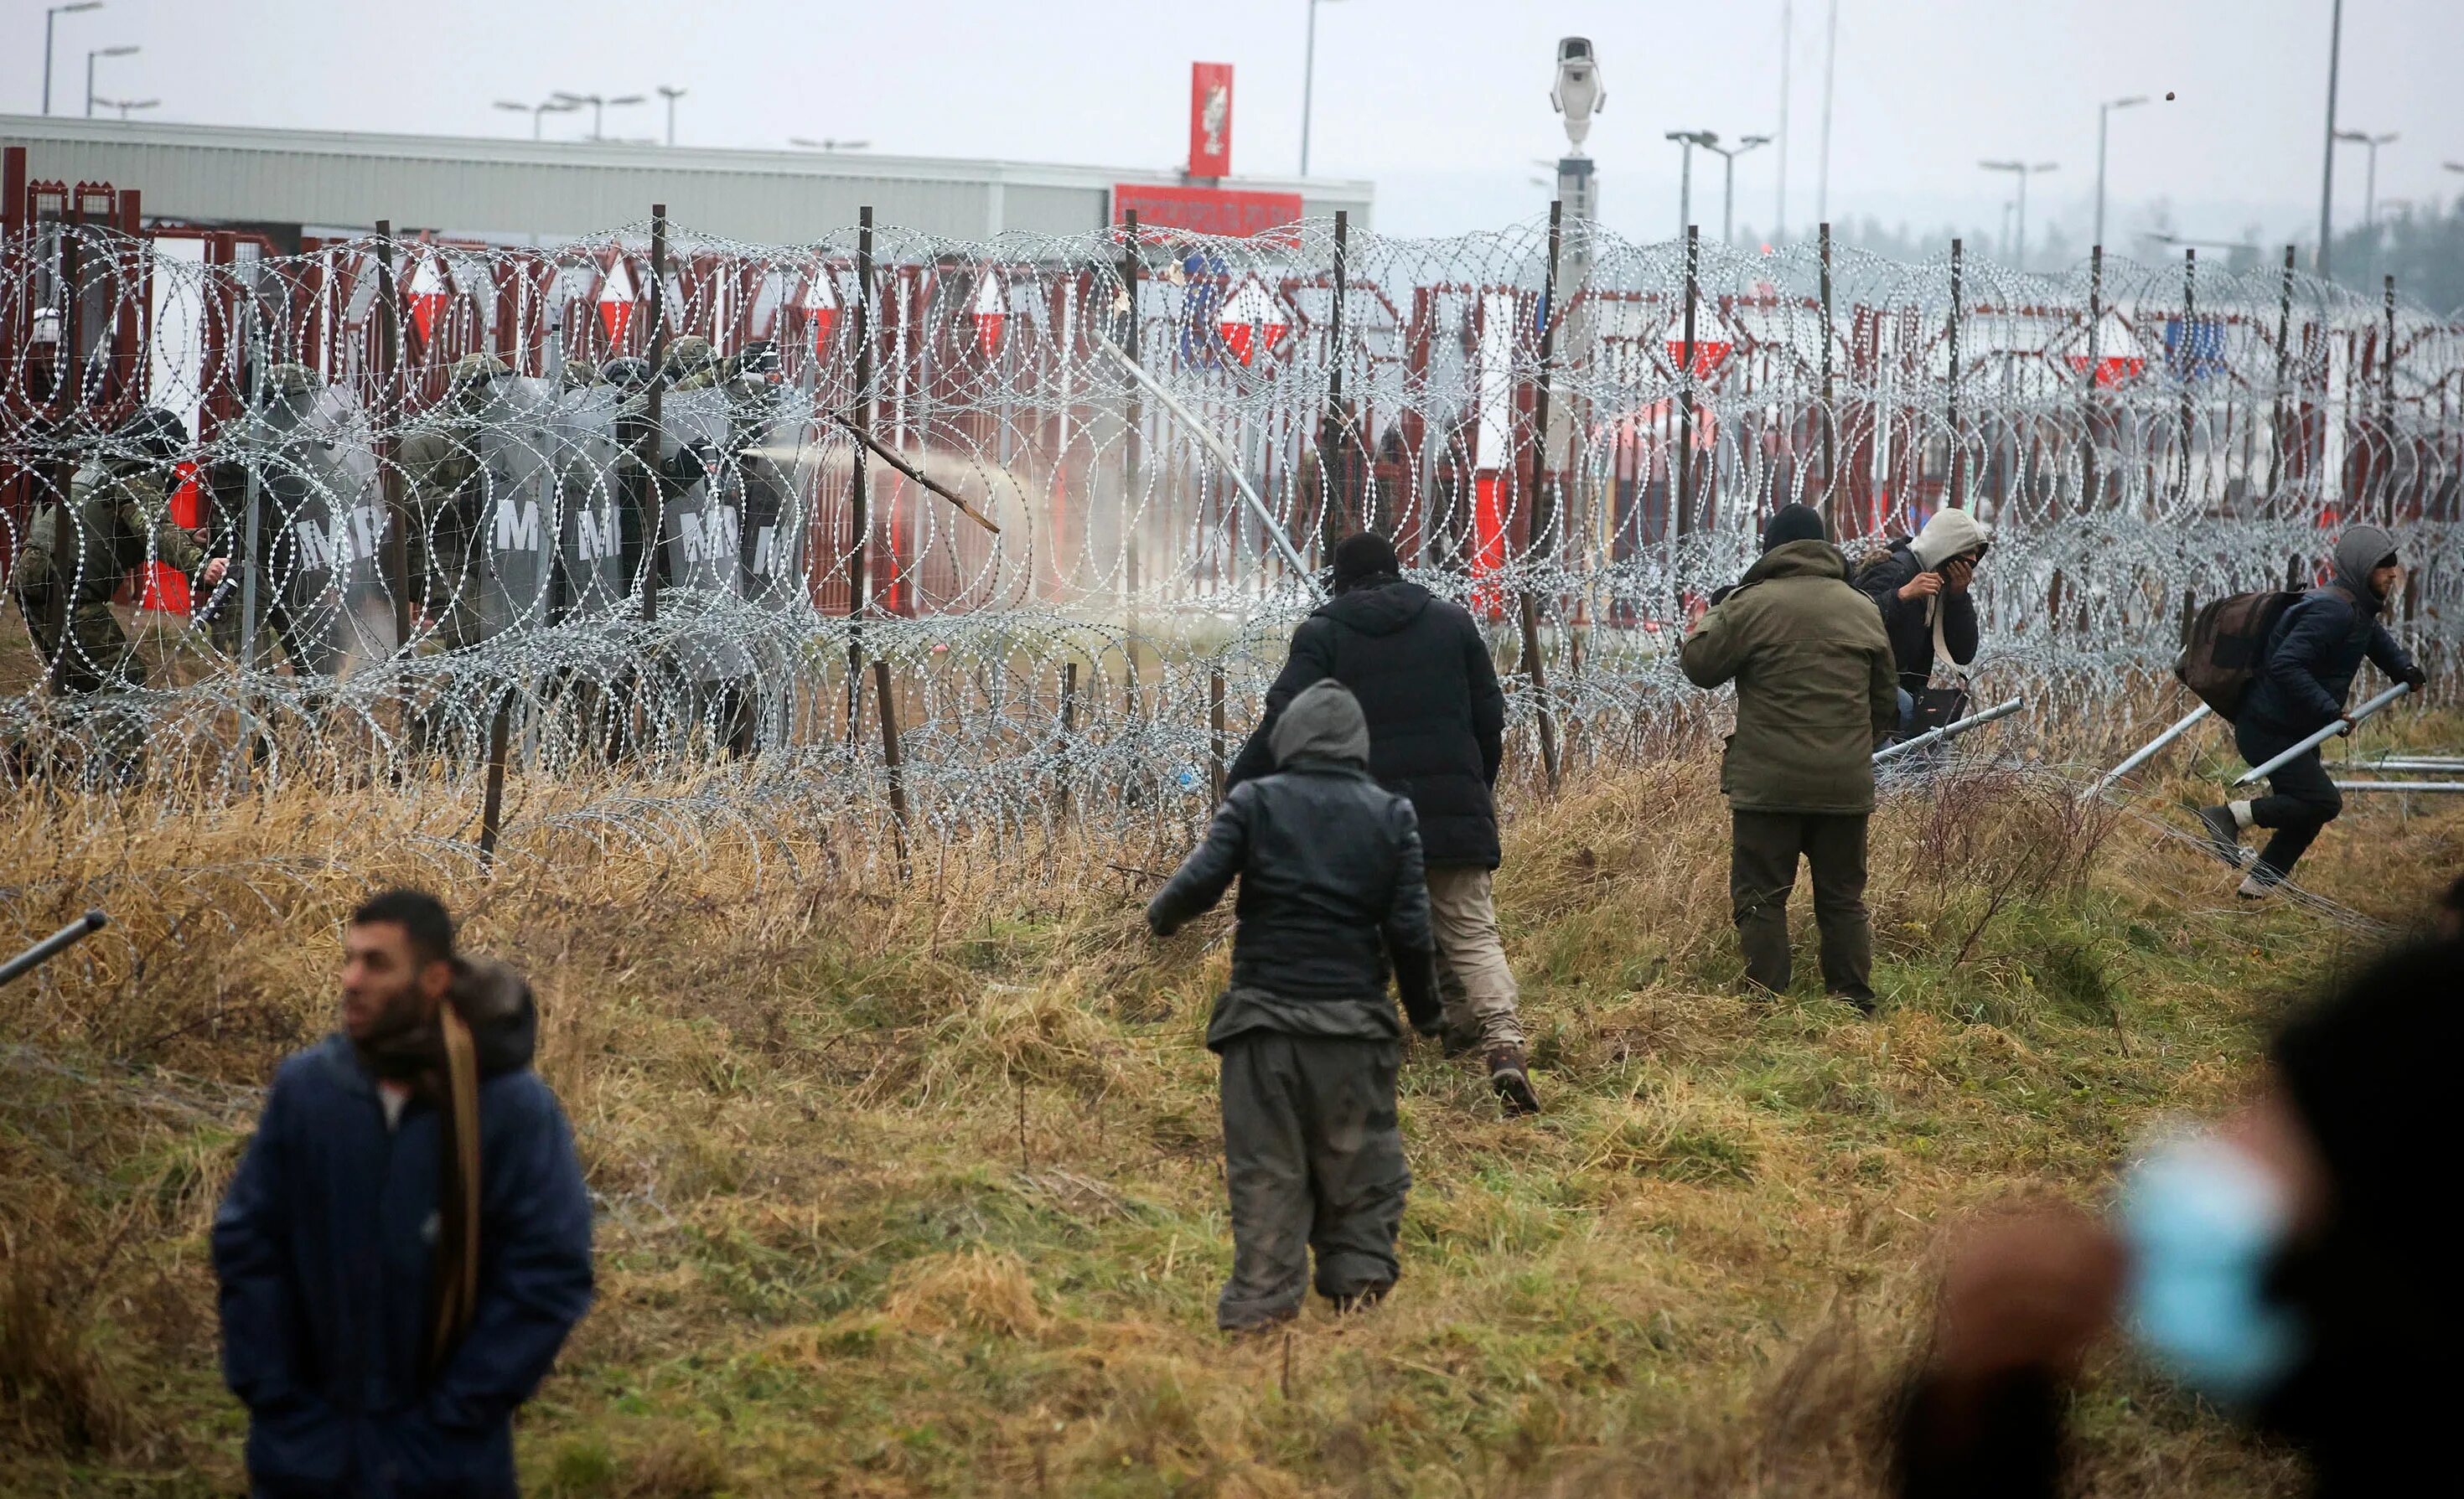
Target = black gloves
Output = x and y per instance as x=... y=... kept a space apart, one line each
x=1415 y=975
x=2414 y=677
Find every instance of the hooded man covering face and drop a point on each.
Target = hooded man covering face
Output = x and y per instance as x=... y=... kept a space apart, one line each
x=1922 y=587
x=2306 y=681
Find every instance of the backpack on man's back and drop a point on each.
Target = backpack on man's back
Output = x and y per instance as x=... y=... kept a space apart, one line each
x=2225 y=647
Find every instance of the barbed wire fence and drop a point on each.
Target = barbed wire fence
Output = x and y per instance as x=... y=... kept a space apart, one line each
x=888 y=540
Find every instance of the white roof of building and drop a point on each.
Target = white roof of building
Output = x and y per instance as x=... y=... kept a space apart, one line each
x=498 y=187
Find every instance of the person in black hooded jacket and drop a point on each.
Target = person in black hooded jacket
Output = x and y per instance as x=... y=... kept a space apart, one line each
x=2311 y=658
x=406 y=1242
x=1437 y=728
x=1331 y=883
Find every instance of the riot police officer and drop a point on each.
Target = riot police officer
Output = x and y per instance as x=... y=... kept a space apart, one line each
x=442 y=481
x=77 y=556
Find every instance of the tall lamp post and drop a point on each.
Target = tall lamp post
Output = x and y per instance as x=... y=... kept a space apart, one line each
x=535 y=111
x=2327 y=173
x=127 y=51
x=1728 y=154
x=1308 y=82
x=670 y=96
x=2103 y=112
x=2023 y=170
x=598 y=108
x=1687 y=140
x=48 y=14
x=2371 y=177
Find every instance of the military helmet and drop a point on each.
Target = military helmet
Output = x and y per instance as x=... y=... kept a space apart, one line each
x=474 y=370
x=692 y=351
x=579 y=373
x=631 y=372
x=152 y=434
x=291 y=378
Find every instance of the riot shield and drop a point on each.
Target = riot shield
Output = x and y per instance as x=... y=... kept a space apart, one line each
x=516 y=512
x=776 y=463
x=590 y=493
x=320 y=526
x=703 y=527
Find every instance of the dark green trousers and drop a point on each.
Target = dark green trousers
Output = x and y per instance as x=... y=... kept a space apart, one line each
x=1762 y=872
x=1314 y=1163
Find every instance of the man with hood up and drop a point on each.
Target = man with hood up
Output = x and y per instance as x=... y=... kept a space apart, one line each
x=1437 y=734
x=1331 y=883
x=1815 y=691
x=1922 y=587
x=2306 y=678
x=408 y=1240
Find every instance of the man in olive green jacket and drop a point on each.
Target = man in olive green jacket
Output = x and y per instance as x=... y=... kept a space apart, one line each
x=1816 y=690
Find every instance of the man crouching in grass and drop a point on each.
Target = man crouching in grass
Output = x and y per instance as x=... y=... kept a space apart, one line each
x=408 y=1241
x=1331 y=883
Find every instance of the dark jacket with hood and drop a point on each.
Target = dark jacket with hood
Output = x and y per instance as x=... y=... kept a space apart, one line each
x=1331 y=881
x=324 y=1247
x=2317 y=646
x=1436 y=716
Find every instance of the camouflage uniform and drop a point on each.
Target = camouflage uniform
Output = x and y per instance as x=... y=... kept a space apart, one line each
x=119 y=520
x=440 y=466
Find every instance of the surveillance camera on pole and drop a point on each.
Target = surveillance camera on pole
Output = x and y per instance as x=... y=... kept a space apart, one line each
x=1578 y=91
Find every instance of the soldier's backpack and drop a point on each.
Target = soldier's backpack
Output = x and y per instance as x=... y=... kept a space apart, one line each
x=2226 y=646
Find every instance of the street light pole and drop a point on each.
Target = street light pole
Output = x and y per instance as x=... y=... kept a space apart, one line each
x=2327 y=173
x=1822 y=176
x=124 y=105
x=2370 y=172
x=1687 y=140
x=2023 y=170
x=57 y=10
x=1729 y=197
x=2103 y=112
x=101 y=51
x=1308 y=83
x=670 y=96
x=598 y=108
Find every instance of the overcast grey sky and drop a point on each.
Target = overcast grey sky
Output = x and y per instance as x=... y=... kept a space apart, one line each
x=1442 y=102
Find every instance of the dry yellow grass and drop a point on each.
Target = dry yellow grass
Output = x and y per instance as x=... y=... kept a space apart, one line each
x=914 y=1189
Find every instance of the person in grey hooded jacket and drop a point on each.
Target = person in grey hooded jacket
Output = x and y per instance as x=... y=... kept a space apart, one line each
x=2312 y=655
x=1331 y=885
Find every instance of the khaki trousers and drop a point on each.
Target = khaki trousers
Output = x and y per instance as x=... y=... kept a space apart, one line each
x=1473 y=979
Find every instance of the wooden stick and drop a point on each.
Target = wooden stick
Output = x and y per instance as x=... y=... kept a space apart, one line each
x=903 y=467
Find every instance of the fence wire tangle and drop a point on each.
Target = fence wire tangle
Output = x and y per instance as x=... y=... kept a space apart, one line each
x=652 y=499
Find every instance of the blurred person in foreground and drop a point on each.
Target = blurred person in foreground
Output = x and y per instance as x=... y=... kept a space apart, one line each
x=1331 y=883
x=408 y=1241
x=1814 y=693
x=1436 y=735
x=2285 y=1264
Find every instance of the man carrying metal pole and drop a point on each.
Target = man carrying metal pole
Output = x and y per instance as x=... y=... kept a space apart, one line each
x=2304 y=680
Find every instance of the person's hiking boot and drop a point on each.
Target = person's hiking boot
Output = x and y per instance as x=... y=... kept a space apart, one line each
x=1862 y=998
x=1511 y=1082
x=2224 y=834
x=2256 y=885
x=1361 y=1301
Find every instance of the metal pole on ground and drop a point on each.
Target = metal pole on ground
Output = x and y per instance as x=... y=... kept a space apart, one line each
x=1950 y=730
x=2148 y=751
x=44 y=951
x=2341 y=726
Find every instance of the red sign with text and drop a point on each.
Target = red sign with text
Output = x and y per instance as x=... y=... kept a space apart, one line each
x=1206 y=210
x=1210 y=119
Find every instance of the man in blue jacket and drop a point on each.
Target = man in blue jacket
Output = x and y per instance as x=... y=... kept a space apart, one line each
x=2306 y=678
x=408 y=1241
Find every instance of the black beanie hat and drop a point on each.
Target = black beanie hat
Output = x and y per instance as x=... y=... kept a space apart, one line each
x=1362 y=556
x=1794 y=523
